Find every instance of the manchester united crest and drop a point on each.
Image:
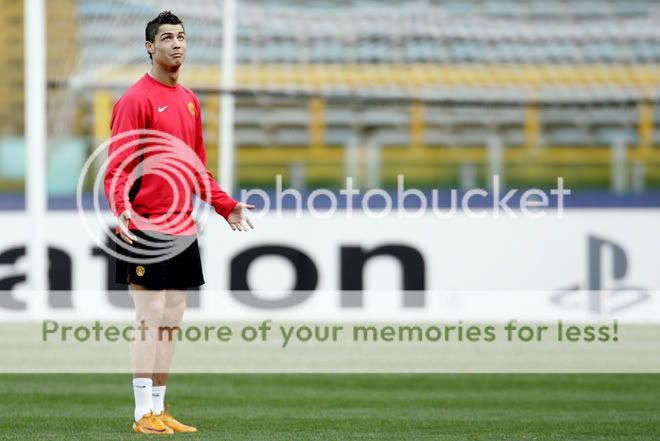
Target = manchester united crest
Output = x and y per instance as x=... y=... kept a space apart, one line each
x=191 y=108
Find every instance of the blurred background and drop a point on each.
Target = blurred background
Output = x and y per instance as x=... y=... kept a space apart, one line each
x=446 y=92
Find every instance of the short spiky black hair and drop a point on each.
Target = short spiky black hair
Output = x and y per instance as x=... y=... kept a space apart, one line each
x=165 y=17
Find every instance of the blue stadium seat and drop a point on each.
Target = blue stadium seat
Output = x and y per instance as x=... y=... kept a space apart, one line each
x=338 y=136
x=12 y=158
x=65 y=160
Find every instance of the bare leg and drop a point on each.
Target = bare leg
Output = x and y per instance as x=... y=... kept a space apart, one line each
x=149 y=312
x=175 y=305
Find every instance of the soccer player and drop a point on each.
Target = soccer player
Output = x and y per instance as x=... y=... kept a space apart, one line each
x=149 y=184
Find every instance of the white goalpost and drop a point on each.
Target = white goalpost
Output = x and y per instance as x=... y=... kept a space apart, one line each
x=226 y=123
x=35 y=137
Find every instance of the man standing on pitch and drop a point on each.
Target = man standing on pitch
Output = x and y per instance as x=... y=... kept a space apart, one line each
x=157 y=162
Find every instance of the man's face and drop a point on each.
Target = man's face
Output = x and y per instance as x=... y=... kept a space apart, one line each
x=169 y=47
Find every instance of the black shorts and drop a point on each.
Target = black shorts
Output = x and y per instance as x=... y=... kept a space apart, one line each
x=179 y=267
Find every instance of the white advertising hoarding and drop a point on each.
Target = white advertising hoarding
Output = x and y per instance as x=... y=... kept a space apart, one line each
x=352 y=266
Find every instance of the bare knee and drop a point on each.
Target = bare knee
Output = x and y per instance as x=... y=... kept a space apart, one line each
x=175 y=306
x=150 y=306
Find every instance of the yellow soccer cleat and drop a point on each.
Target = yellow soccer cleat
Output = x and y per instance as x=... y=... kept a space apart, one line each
x=152 y=425
x=169 y=421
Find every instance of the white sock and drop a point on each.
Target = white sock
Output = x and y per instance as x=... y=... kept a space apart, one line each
x=142 y=389
x=158 y=396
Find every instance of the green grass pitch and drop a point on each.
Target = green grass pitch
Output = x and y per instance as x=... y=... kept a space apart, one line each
x=342 y=407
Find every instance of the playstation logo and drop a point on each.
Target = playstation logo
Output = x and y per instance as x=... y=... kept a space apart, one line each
x=606 y=291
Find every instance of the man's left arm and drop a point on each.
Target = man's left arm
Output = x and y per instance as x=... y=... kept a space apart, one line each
x=233 y=211
x=209 y=188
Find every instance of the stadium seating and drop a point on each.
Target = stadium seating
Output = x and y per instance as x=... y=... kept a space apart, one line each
x=595 y=60
x=596 y=51
x=65 y=160
x=532 y=31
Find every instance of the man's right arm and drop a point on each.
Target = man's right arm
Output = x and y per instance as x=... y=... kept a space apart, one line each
x=128 y=117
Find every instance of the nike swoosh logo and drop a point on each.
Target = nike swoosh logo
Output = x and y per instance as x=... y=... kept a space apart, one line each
x=141 y=387
x=160 y=109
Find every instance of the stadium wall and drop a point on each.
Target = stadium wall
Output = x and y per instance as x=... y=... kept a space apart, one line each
x=609 y=251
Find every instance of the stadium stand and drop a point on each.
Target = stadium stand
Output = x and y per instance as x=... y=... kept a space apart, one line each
x=578 y=77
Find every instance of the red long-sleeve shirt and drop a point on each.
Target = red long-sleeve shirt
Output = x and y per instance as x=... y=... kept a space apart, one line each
x=152 y=175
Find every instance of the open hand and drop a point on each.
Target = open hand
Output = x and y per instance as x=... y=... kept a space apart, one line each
x=126 y=235
x=238 y=218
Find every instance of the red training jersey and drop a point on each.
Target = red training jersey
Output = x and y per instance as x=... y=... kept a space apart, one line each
x=155 y=171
